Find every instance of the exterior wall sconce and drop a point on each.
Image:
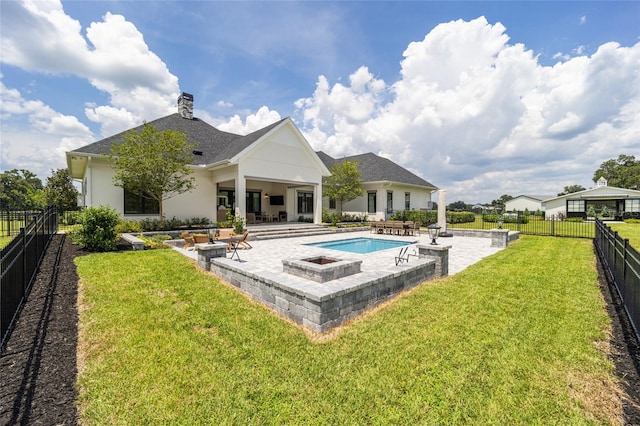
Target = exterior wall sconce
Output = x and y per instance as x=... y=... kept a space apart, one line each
x=266 y=195
x=434 y=232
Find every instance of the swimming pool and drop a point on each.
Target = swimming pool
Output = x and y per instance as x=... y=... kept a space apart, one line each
x=361 y=245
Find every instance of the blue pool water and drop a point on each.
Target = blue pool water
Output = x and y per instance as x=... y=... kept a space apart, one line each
x=361 y=245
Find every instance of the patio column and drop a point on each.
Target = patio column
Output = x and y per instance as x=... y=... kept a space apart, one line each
x=241 y=196
x=317 y=208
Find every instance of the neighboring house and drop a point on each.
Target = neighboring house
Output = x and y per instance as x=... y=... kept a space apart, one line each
x=616 y=200
x=388 y=188
x=521 y=203
x=274 y=168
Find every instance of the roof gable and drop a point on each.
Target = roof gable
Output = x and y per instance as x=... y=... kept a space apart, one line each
x=599 y=192
x=374 y=168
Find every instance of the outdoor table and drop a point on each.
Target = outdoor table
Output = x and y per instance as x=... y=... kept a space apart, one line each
x=234 y=243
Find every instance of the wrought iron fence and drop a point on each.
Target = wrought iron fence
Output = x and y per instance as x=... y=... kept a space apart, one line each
x=20 y=260
x=11 y=221
x=621 y=262
x=530 y=225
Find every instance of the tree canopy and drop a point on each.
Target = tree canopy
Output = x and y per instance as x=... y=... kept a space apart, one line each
x=571 y=189
x=623 y=172
x=60 y=191
x=500 y=202
x=344 y=184
x=458 y=205
x=153 y=164
x=20 y=190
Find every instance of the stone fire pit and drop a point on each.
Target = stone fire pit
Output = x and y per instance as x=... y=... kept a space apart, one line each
x=321 y=268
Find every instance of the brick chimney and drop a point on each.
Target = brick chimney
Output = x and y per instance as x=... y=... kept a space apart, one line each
x=185 y=106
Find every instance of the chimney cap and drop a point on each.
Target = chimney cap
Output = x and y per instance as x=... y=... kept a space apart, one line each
x=186 y=96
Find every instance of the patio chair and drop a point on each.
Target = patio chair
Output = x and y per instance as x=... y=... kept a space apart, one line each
x=200 y=238
x=282 y=216
x=402 y=256
x=251 y=218
x=224 y=234
x=243 y=242
x=188 y=241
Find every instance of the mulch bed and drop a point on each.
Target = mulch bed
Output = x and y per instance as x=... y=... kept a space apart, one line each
x=38 y=367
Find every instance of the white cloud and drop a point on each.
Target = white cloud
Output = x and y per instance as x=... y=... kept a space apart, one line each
x=473 y=113
x=34 y=136
x=262 y=118
x=38 y=36
x=583 y=20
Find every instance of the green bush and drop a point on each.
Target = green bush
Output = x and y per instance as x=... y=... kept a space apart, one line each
x=98 y=232
x=71 y=218
x=423 y=217
x=460 y=217
x=155 y=241
x=128 y=226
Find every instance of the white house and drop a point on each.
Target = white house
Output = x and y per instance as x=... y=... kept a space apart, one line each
x=521 y=203
x=274 y=168
x=616 y=200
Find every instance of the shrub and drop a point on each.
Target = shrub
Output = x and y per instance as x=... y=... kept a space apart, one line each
x=423 y=217
x=128 y=226
x=155 y=241
x=460 y=217
x=71 y=218
x=98 y=231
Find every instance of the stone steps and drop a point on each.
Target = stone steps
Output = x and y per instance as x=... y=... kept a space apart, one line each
x=269 y=232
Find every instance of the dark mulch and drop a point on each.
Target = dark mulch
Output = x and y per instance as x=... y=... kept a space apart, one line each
x=38 y=367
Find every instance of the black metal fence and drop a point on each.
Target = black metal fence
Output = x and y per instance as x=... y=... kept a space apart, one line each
x=531 y=225
x=11 y=221
x=20 y=260
x=622 y=266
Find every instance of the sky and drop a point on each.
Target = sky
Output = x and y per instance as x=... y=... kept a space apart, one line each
x=478 y=98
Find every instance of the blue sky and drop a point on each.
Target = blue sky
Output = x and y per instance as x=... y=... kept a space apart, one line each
x=479 y=98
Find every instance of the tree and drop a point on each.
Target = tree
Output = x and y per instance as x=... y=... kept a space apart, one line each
x=153 y=164
x=500 y=202
x=571 y=189
x=458 y=205
x=20 y=190
x=344 y=184
x=623 y=172
x=60 y=190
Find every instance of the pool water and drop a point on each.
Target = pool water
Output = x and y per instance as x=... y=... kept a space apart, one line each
x=361 y=245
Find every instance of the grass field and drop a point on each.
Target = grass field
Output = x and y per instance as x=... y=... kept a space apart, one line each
x=630 y=231
x=511 y=340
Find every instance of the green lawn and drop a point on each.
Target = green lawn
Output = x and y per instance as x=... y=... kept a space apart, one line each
x=511 y=340
x=5 y=240
x=628 y=230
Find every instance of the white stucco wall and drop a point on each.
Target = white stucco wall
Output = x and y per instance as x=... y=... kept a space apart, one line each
x=522 y=203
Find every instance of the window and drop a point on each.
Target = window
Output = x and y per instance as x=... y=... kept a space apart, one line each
x=231 y=197
x=632 y=205
x=389 y=201
x=407 y=201
x=136 y=204
x=332 y=203
x=254 y=201
x=371 y=202
x=575 y=206
x=305 y=202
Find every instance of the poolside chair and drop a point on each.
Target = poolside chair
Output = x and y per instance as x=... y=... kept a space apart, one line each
x=200 y=238
x=188 y=241
x=402 y=256
x=243 y=242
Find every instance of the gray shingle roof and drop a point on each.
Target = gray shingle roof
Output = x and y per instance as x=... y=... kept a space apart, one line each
x=214 y=144
x=374 y=168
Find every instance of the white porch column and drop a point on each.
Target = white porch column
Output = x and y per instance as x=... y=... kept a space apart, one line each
x=317 y=208
x=442 y=210
x=241 y=196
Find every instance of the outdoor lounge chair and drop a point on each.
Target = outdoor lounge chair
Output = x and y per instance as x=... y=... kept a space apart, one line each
x=402 y=256
x=200 y=238
x=243 y=242
x=188 y=241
